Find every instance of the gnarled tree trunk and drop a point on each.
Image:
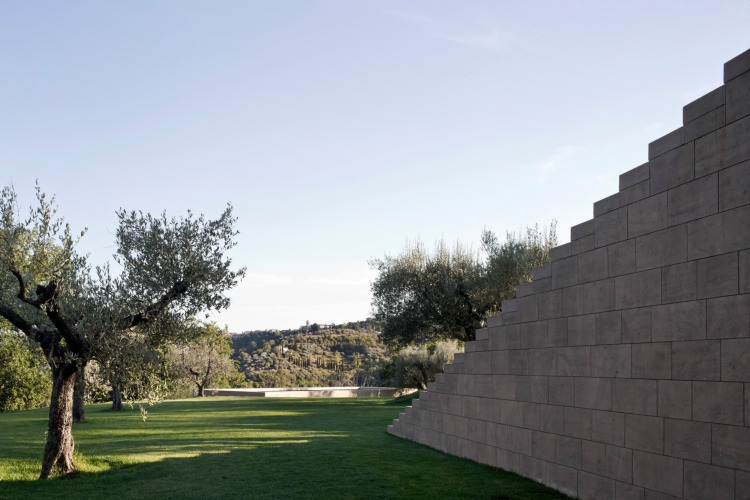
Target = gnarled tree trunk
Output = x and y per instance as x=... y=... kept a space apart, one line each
x=58 y=452
x=116 y=397
x=79 y=415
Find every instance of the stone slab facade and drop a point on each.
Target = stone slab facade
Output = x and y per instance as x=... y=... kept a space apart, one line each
x=623 y=370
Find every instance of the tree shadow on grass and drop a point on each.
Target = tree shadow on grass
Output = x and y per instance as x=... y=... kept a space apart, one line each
x=271 y=449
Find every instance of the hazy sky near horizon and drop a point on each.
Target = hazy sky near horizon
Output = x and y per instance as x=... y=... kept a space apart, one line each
x=339 y=130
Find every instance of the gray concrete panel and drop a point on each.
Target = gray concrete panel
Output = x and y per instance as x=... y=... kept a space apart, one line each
x=707 y=123
x=673 y=168
x=611 y=227
x=703 y=105
x=734 y=186
x=647 y=215
x=723 y=148
x=687 y=439
x=668 y=142
x=738 y=97
x=694 y=200
x=718 y=402
x=634 y=176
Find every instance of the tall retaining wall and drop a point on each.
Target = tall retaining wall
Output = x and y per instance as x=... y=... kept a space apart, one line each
x=623 y=369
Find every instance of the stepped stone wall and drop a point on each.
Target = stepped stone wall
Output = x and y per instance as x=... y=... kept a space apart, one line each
x=623 y=370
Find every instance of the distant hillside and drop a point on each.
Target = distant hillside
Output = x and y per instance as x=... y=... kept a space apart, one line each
x=329 y=355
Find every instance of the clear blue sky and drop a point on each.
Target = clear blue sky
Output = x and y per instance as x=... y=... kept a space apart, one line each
x=340 y=129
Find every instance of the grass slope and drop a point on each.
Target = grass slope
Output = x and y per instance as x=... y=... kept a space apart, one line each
x=247 y=448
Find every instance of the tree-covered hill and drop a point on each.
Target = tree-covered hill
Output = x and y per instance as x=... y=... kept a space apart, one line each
x=349 y=354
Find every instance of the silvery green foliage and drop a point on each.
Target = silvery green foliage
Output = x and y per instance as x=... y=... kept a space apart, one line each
x=172 y=269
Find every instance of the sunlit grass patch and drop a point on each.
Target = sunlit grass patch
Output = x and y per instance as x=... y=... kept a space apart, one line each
x=246 y=447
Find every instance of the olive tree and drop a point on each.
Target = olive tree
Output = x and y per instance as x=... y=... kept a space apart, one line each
x=205 y=360
x=170 y=269
x=423 y=296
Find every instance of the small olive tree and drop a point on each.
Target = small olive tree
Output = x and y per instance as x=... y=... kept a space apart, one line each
x=172 y=269
x=25 y=380
x=204 y=360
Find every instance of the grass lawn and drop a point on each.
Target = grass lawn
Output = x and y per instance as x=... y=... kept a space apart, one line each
x=246 y=448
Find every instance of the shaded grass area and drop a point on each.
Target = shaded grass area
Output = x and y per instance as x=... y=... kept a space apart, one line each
x=247 y=447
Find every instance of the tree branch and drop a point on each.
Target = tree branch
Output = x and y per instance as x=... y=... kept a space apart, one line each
x=152 y=311
x=22 y=289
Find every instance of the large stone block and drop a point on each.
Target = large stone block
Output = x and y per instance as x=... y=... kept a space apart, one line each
x=543 y=361
x=621 y=258
x=568 y=451
x=533 y=468
x=687 y=439
x=696 y=360
x=679 y=283
x=593 y=265
x=497 y=435
x=528 y=308
x=717 y=276
x=730 y=446
x=638 y=289
x=608 y=427
x=644 y=433
x=551 y=419
x=734 y=186
x=543 y=445
x=672 y=168
x=635 y=193
x=609 y=327
x=742 y=485
x=745 y=271
x=648 y=215
x=658 y=473
x=574 y=361
x=680 y=321
x=723 y=148
x=611 y=227
x=661 y=248
x=708 y=481
x=561 y=390
x=518 y=362
x=718 y=402
x=532 y=388
x=594 y=457
x=511 y=413
x=611 y=361
x=636 y=324
x=519 y=440
x=593 y=487
x=668 y=142
x=694 y=200
x=550 y=304
x=565 y=272
x=634 y=396
x=593 y=393
x=557 y=332
x=675 y=399
x=627 y=491
x=606 y=205
x=737 y=66
x=702 y=105
x=504 y=386
x=738 y=97
x=620 y=463
x=534 y=334
x=577 y=422
x=735 y=360
x=713 y=120
x=728 y=317
x=562 y=479
x=634 y=176
x=652 y=360
x=582 y=330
